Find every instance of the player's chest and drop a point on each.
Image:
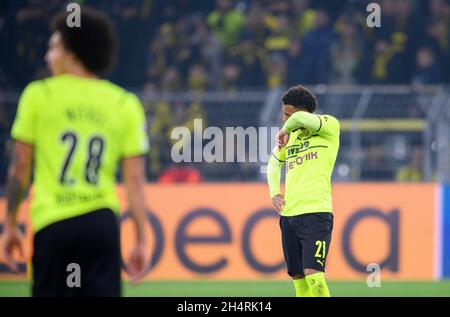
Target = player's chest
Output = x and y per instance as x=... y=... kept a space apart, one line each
x=300 y=142
x=302 y=149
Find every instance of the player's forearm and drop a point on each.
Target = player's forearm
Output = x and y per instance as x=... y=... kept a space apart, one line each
x=138 y=210
x=19 y=177
x=274 y=176
x=18 y=181
x=134 y=179
x=302 y=119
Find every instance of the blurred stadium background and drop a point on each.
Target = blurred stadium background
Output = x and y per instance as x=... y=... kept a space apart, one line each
x=228 y=62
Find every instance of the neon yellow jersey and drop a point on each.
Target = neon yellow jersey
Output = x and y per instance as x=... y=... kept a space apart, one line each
x=80 y=129
x=309 y=158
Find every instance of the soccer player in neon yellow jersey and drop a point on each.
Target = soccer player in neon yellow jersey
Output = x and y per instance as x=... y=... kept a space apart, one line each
x=307 y=145
x=76 y=129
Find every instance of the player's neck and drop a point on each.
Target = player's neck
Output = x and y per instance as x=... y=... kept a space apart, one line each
x=79 y=71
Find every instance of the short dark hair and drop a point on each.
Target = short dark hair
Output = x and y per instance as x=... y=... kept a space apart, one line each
x=94 y=43
x=300 y=97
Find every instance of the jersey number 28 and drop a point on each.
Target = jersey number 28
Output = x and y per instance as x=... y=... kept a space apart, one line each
x=93 y=162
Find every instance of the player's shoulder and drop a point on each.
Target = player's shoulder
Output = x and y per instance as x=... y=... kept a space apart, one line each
x=36 y=88
x=326 y=118
x=51 y=84
x=108 y=85
x=117 y=95
x=329 y=125
x=125 y=102
x=69 y=82
x=123 y=94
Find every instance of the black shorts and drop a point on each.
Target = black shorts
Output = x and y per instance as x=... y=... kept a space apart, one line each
x=306 y=240
x=91 y=241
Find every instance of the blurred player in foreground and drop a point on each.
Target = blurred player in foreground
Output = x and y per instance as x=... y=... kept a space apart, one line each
x=307 y=144
x=75 y=129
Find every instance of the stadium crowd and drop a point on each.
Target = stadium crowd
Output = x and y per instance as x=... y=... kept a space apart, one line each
x=236 y=44
x=231 y=45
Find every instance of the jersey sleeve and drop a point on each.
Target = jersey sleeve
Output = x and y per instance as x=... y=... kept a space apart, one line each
x=274 y=171
x=279 y=155
x=24 y=126
x=330 y=126
x=135 y=139
x=324 y=125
